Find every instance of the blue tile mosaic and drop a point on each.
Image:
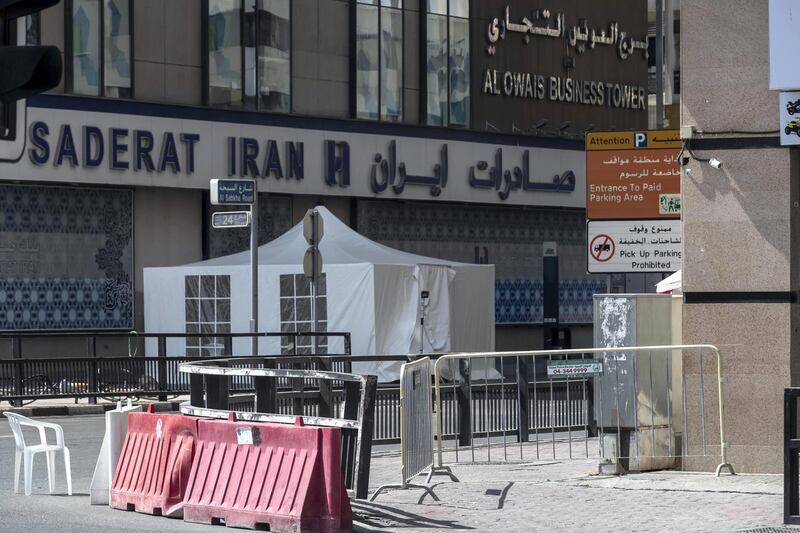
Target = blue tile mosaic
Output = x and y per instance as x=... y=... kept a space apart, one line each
x=521 y=301
x=65 y=258
x=50 y=304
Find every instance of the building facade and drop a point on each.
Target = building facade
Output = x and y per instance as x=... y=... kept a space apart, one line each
x=451 y=129
x=745 y=302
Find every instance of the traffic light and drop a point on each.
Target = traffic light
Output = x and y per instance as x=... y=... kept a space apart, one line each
x=24 y=71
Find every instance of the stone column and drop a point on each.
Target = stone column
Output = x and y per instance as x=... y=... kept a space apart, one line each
x=739 y=224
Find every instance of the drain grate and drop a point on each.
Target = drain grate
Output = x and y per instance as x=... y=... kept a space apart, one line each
x=782 y=529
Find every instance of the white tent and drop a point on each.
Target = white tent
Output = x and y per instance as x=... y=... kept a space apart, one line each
x=671 y=284
x=372 y=291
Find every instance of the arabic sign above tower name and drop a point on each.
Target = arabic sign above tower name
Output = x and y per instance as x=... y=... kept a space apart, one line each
x=552 y=68
x=580 y=37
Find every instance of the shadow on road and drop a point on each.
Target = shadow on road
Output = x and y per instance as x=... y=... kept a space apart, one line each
x=368 y=517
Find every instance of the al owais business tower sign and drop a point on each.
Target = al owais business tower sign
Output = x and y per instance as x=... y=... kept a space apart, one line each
x=576 y=63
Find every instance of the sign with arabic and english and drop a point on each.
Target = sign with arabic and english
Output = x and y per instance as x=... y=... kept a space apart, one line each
x=542 y=66
x=633 y=175
x=574 y=368
x=790 y=117
x=79 y=146
x=232 y=192
x=637 y=246
x=230 y=219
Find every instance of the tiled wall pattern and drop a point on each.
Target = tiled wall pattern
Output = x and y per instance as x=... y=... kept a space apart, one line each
x=509 y=237
x=65 y=258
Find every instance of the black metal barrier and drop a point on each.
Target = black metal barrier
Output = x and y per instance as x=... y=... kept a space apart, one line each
x=791 y=458
x=323 y=398
x=126 y=375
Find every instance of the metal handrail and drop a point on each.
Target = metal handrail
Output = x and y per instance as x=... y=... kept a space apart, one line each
x=218 y=372
x=206 y=367
x=575 y=351
x=121 y=334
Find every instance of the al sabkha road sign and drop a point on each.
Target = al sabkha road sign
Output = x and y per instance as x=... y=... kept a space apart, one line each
x=628 y=246
x=232 y=192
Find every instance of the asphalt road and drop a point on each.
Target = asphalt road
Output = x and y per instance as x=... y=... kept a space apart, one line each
x=524 y=494
x=59 y=513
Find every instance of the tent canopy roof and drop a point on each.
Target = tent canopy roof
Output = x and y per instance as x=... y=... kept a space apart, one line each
x=339 y=245
x=670 y=284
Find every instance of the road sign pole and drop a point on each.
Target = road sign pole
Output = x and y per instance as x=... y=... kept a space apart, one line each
x=254 y=273
x=315 y=282
x=313 y=231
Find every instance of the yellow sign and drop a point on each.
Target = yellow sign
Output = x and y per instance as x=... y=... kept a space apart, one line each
x=632 y=140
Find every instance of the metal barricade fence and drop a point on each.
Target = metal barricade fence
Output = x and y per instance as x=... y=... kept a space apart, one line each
x=547 y=404
x=210 y=397
x=416 y=428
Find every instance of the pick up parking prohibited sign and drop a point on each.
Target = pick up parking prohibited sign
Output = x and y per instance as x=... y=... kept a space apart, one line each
x=623 y=246
x=602 y=248
x=574 y=368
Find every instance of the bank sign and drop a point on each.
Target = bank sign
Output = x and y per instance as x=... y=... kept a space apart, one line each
x=68 y=145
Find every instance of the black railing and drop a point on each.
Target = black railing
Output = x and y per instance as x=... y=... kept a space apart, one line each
x=791 y=457
x=23 y=378
x=153 y=378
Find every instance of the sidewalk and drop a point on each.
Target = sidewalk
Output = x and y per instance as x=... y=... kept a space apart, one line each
x=567 y=496
x=524 y=496
x=68 y=406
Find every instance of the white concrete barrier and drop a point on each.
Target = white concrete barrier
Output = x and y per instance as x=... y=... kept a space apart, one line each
x=116 y=429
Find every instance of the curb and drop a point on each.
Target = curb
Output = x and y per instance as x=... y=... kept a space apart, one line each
x=78 y=410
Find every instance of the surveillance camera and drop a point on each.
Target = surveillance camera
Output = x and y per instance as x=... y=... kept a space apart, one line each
x=714 y=162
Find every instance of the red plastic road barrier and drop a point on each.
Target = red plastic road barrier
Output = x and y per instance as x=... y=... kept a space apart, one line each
x=257 y=476
x=154 y=465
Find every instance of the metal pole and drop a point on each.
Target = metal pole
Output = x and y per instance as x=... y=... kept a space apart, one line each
x=315 y=282
x=659 y=64
x=254 y=273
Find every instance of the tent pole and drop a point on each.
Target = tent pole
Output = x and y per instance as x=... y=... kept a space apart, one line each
x=254 y=273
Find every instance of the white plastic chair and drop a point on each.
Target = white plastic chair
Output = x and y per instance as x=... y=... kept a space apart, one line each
x=28 y=452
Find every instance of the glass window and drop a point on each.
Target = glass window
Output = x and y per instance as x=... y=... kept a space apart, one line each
x=101 y=48
x=117 y=48
x=379 y=60
x=224 y=52
x=447 y=63
x=249 y=54
x=208 y=311
x=297 y=315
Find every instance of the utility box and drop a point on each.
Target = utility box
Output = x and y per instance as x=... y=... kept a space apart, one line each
x=636 y=397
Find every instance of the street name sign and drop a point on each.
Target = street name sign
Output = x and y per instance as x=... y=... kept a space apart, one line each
x=230 y=219
x=233 y=192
